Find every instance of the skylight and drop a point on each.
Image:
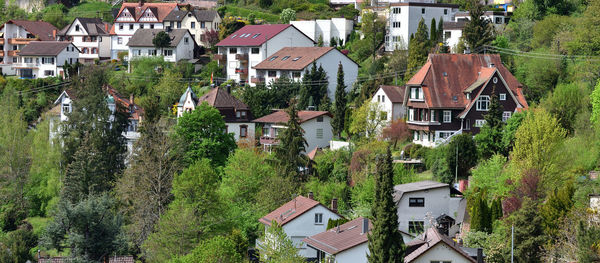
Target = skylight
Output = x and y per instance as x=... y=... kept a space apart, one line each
x=273 y=58
x=296 y=58
x=233 y=36
x=256 y=35
x=285 y=58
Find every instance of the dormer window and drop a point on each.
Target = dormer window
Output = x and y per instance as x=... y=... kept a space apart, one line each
x=66 y=108
x=416 y=93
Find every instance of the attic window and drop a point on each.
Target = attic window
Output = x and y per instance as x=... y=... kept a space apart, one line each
x=445 y=74
x=455 y=98
x=285 y=58
x=189 y=15
x=273 y=58
x=256 y=35
x=296 y=58
x=233 y=36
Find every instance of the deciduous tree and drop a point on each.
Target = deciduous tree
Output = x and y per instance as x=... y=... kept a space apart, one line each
x=396 y=131
x=275 y=246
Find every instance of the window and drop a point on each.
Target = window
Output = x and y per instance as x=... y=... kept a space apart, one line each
x=27 y=60
x=178 y=24
x=447 y=34
x=243 y=114
x=265 y=131
x=130 y=26
x=506 y=115
x=232 y=50
x=273 y=58
x=415 y=94
x=66 y=108
x=255 y=50
x=383 y=115
x=502 y=96
x=48 y=72
x=186 y=40
x=483 y=103
x=168 y=52
x=256 y=35
x=445 y=11
x=285 y=58
x=119 y=40
x=447 y=116
x=495 y=80
x=77 y=28
x=396 y=10
x=272 y=73
x=479 y=123
x=416 y=227
x=395 y=24
x=320 y=119
x=416 y=202
x=202 y=24
x=296 y=58
x=319 y=133
x=193 y=25
x=47 y=60
x=243 y=131
x=120 y=26
x=318 y=218
x=137 y=52
x=141 y=26
x=498 y=20
x=296 y=74
x=422 y=10
x=152 y=26
x=467 y=124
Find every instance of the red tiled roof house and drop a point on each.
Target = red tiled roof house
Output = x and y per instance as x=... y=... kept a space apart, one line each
x=16 y=34
x=451 y=93
x=392 y=101
x=346 y=243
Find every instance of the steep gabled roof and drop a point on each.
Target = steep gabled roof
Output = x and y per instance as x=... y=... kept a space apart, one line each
x=144 y=37
x=220 y=98
x=339 y=239
x=394 y=93
x=92 y=26
x=290 y=210
x=294 y=58
x=430 y=239
x=40 y=29
x=44 y=48
x=253 y=35
x=281 y=116
x=135 y=110
x=160 y=10
x=400 y=189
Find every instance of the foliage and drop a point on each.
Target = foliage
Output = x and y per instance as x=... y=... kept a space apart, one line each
x=215 y=250
x=595 y=101
x=161 y=40
x=481 y=216
x=229 y=25
x=396 y=131
x=169 y=88
x=529 y=233
x=385 y=242
x=565 y=102
x=464 y=146
x=261 y=100
x=15 y=245
x=276 y=247
x=489 y=175
x=54 y=14
x=326 y=191
x=489 y=140
x=367 y=120
x=331 y=223
x=373 y=28
x=340 y=103
x=200 y=135
x=558 y=204
x=289 y=155
x=332 y=165
x=510 y=129
x=314 y=87
x=538 y=75
x=418 y=48
x=479 y=30
x=287 y=15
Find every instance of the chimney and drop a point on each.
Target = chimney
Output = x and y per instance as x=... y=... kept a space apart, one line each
x=311 y=196
x=479 y=255
x=106 y=27
x=365 y=225
x=54 y=34
x=334 y=204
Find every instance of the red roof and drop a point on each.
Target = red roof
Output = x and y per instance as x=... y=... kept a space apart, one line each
x=430 y=239
x=220 y=98
x=293 y=58
x=160 y=10
x=253 y=35
x=136 y=111
x=445 y=77
x=339 y=239
x=40 y=29
x=290 y=210
x=281 y=116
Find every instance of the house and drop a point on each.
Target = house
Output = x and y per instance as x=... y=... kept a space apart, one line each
x=451 y=93
x=453 y=33
x=198 y=22
x=16 y=34
x=300 y=218
x=316 y=125
x=498 y=18
x=182 y=45
x=294 y=62
x=90 y=36
x=134 y=16
x=42 y=59
x=403 y=20
x=421 y=203
x=433 y=246
x=245 y=48
x=113 y=98
x=236 y=114
x=392 y=101
x=327 y=29
x=345 y=243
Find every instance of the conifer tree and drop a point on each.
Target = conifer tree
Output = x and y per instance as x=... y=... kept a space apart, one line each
x=440 y=30
x=496 y=210
x=478 y=31
x=314 y=84
x=481 y=218
x=289 y=154
x=433 y=33
x=489 y=140
x=418 y=48
x=340 y=103
x=385 y=242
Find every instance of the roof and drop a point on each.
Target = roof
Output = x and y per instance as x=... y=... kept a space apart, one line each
x=425 y=4
x=430 y=239
x=400 y=189
x=111 y=259
x=281 y=116
x=339 y=239
x=44 y=48
x=394 y=93
x=445 y=77
x=220 y=98
x=160 y=10
x=253 y=35
x=144 y=37
x=135 y=110
x=290 y=210
x=312 y=154
x=293 y=58
x=184 y=95
x=451 y=25
x=41 y=29
x=93 y=26
x=201 y=15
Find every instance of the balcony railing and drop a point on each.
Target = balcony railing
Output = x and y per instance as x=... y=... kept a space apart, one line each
x=20 y=40
x=243 y=57
x=424 y=123
x=26 y=65
x=242 y=71
x=268 y=140
x=12 y=53
x=257 y=80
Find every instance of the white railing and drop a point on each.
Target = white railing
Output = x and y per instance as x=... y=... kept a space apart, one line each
x=441 y=142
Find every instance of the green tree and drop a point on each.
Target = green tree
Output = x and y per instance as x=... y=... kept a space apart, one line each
x=464 y=146
x=287 y=15
x=289 y=154
x=478 y=31
x=55 y=15
x=340 y=103
x=481 y=216
x=161 y=40
x=510 y=129
x=595 y=101
x=91 y=229
x=276 y=247
x=489 y=175
x=385 y=241
x=587 y=242
x=215 y=250
x=565 y=102
x=433 y=33
x=168 y=89
x=529 y=233
x=320 y=41
x=489 y=140
x=558 y=204
x=418 y=48
x=314 y=84
x=496 y=209
x=367 y=119
x=15 y=246
x=200 y=135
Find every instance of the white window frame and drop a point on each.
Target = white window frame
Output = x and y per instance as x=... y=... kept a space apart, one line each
x=479 y=123
x=483 y=100
x=502 y=96
x=506 y=115
x=318 y=218
x=447 y=116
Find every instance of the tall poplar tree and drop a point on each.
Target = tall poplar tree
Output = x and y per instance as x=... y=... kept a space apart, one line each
x=478 y=31
x=340 y=103
x=290 y=153
x=314 y=84
x=385 y=242
x=418 y=48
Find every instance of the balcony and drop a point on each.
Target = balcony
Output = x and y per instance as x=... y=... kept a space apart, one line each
x=1 y=53
x=242 y=57
x=423 y=123
x=257 y=80
x=12 y=53
x=242 y=71
x=26 y=65
x=1 y=41
x=268 y=140
x=21 y=40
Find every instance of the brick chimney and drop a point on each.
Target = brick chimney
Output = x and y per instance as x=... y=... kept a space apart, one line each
x=311 y=196
x=141 y=3
x=54 y=34
x=106 y=27
x=334 y=204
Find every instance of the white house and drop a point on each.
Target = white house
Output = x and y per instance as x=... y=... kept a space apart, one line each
x=245 y=48
x=421 y=203
x=392 y=101
x=16 y=34
x=300 y=218
x=404 y=17
x=134 y=16
x=294 y=62
x=346 y=243
x=316 y=125
x=182 y=45
x=198 y=22
x=236 y=114
x=433 y=246
x=90 y=36
x=453 y=33
x=337 y=28
x=42 y=59
x=65 y=102
x=498 y=18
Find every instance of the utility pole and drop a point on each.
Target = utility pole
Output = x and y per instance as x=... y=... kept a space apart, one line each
x=512 y=243
x=456 y=166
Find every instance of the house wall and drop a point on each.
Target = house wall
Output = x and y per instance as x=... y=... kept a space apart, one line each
x=357 y=254
x=310 y=133
x=78 y=37
x=330 y=62
x=185 y=50
x=197 y=31
x=11 y=31
x=386 y=105
x=441 y=252
x=454 y=38
x=437 y=202
x=304 y=226
x=39 y=69
x=126 y=34
x=234 y=127
x=339 y=28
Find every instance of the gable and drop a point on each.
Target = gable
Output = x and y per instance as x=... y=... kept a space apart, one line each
x=442 y=252
x=126 y=15
x=495 y=82
x=148 y=15
x=73 y=27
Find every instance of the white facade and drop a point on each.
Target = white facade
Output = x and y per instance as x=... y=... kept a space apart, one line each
x=183 y=50
x=43 y=66
x=498 y=18
x=394 y=110
x=357 y=254
x=124 y=33
x=441 y=253
x=196 y=28
x=452 y=37
x=403 y=21
x=317 y=133
x=338 y=28
x=240 y=60
x=91 y=46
